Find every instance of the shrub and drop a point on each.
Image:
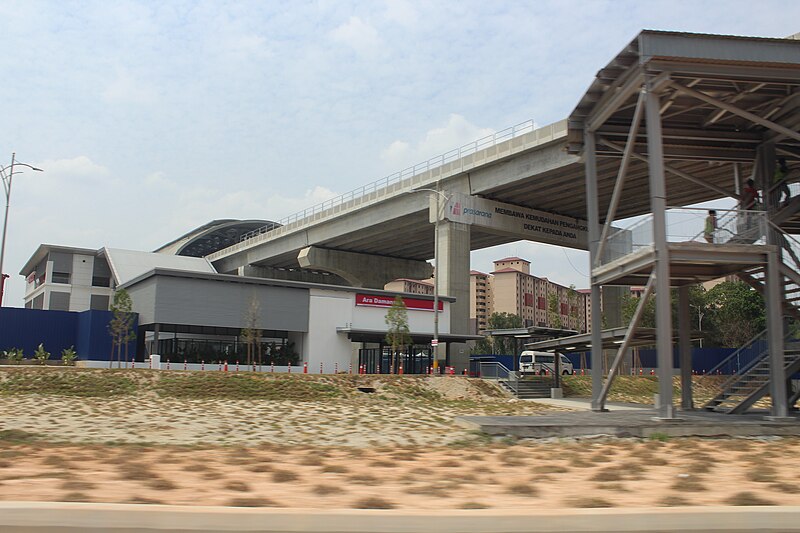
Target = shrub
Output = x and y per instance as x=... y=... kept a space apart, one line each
x=68 y=356
x=41 y=355
x=14 y=355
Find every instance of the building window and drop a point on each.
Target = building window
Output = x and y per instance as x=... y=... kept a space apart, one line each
x=60 y=277
x=101 y=281
x=541 y=304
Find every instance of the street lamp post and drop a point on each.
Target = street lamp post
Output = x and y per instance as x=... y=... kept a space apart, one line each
x=435 y=342
x=700 y=315
x=7 y=175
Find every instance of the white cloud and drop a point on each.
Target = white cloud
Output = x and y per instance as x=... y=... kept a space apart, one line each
x=401 y=12
x=126 y=89
x=358 y=35
x=456 y=133
x=81 y=166
x=249 y=45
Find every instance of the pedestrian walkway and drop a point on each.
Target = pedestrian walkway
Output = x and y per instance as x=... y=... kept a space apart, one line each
x=585 y=404
x=633 y=423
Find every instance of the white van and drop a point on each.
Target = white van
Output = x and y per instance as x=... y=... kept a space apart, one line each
x=537 y=363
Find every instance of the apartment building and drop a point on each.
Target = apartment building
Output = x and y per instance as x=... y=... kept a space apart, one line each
x=511 y=288
x=411 y=286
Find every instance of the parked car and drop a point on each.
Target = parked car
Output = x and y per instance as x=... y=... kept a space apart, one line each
x=541 y=363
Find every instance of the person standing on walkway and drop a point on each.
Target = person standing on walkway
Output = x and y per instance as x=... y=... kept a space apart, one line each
x=744 y=223
x=749 y=195
x=782 y=194
x=711 y=226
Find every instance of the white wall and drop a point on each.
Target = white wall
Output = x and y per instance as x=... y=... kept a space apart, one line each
x=327 y=311
x=81 y=280
x=365 y=317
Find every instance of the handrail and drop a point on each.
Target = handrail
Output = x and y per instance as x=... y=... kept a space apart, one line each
x=435 y=162
x=456 y=160
x=746 y=345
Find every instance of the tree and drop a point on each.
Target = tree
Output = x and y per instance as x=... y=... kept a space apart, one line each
x=553 y=312
x=398 y=334
x=499 y=345
x=251 y=333
x=736 y=313
x=121 y=326
x=572 y=298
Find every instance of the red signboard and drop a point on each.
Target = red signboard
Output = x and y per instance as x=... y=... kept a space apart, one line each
x=413 y=304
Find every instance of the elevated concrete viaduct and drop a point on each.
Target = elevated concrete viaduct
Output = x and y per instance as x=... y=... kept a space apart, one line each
x=534 y=178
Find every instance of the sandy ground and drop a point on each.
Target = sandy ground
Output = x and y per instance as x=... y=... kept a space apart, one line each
x=626 y=473
x=364 y=451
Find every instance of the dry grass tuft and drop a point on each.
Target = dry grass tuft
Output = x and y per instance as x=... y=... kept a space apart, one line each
x=762 y=474
x=76 y=497
x=673 y=501
x=607 y=474
x=373 y=502
x=550 y=469
x=688 y=484
x=134 y=471
x=238 y=486
x=335 y=469
x=365 y=479
x=284 y=476
x=522 y=489
x=589 y=502
x=324 y=490
x=260 y=467
x=747 y=499
x=159 y=483
x=74 y=485
x=144 y=501
x=473 y=505
x=251 y=502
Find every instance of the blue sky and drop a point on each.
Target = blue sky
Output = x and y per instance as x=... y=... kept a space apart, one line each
x=151 y=118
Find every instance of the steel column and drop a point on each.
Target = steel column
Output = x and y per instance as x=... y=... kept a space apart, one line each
x=685 y=348
x=592 y=211
x=658 y=203
x=626 y=341
x=621 y=175
x=777 y=375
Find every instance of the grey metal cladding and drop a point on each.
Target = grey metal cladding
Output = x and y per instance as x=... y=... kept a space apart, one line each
x=226 y=304
x=143 y=300
x=719 y=48
x=61 y=262
x=59 y=301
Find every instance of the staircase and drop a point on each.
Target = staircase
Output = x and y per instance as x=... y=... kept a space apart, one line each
x=751 y=383
x=754 y=276
x=749 y=366
x=534 y=387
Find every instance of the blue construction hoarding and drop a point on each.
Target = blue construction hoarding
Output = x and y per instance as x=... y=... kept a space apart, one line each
x=86 y=331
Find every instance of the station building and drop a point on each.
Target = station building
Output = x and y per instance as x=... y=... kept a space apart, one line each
x=189 y=313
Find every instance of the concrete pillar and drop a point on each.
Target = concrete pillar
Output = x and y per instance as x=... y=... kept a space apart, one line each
x=593 y=218
x=685 y=347
x=658 y=205
x=777 y=376
x=365 y=270
x=453 y=280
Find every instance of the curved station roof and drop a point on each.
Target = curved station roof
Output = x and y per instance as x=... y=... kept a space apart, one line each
x=215 y=235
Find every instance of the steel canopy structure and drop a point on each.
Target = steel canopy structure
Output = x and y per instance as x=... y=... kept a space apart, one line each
x=676 y=119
